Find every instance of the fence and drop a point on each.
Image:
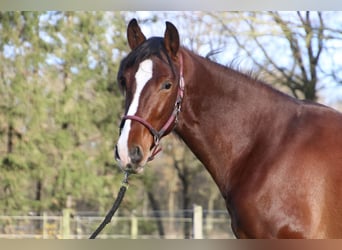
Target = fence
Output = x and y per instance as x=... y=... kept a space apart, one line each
x=194 y=223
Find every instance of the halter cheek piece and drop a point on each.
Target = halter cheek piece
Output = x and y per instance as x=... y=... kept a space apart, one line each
x=171 y=122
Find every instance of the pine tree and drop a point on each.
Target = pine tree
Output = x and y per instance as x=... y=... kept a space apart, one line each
x=59 y=109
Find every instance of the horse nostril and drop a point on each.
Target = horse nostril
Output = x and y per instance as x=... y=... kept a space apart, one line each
x=117 y=157
x=136 y=154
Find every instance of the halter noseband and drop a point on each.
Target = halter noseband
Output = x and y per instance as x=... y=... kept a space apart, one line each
x=157 y=135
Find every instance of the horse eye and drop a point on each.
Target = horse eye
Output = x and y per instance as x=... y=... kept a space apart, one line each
x=167 y=85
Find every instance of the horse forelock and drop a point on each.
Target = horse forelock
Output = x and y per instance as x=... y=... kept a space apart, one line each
x=154 y=46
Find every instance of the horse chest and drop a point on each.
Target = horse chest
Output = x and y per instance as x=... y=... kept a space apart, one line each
x=265 y=218
x=262 y=209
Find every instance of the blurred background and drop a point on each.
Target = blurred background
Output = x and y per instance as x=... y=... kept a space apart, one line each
x=60 y=110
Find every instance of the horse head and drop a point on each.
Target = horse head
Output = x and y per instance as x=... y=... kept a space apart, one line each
x=150 y=77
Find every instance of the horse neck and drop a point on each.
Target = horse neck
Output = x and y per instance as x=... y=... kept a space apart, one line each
x=221 y=115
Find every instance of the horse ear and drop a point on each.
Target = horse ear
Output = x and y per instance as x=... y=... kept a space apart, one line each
x=171 y=39
x=134 y=35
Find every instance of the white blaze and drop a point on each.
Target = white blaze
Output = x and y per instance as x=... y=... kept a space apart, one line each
x=142 y=76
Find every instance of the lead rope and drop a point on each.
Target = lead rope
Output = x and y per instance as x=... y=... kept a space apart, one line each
x=115 y=206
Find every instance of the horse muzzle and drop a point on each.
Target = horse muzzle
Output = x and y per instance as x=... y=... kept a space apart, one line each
x=132 y=161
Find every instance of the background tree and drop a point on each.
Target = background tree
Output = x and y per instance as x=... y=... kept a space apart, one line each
x=21 y=54
x=291 y=49
x=87 y=105
x=59 y=108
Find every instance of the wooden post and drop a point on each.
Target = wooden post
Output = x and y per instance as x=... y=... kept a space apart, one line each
x=66 y=223
x=134 y=226
x=45 y=224
x=198 y=222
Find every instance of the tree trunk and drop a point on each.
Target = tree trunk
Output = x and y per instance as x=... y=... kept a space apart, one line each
x=156 y=209
x=39 y=186
x=10 y=139
x=187 y=213
x=183 y=176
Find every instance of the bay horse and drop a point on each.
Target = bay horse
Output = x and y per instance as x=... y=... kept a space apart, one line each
x=276 y=160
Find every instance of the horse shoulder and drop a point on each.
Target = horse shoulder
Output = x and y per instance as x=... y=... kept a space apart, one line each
x=292 y=194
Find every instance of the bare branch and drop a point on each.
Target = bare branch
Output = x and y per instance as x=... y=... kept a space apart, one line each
x=293 y=42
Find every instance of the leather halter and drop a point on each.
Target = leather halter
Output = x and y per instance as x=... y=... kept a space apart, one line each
x=171 y=122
